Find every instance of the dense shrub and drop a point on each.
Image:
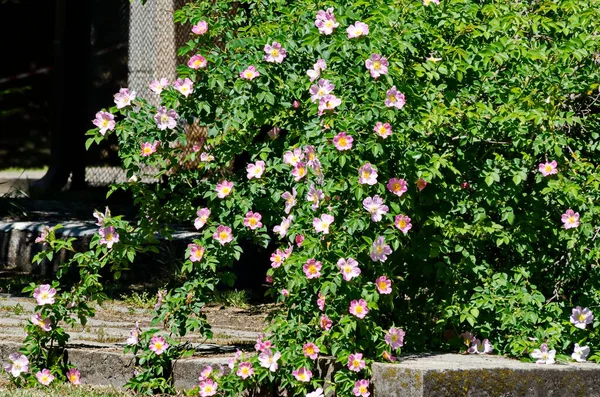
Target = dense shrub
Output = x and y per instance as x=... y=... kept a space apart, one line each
x=435 y=172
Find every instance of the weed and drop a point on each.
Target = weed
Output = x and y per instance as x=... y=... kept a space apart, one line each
x=233 y=298
x=141 y=301
x=18 y=309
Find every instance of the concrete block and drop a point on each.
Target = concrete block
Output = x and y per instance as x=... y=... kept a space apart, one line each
x=454 y=375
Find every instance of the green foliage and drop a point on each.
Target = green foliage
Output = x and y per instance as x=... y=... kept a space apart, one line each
x=492 y=90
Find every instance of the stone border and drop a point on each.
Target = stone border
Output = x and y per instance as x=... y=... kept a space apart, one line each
x=455 y=375
x=104 y=367
x=435 y=375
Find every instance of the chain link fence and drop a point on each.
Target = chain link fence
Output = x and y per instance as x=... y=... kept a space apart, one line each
x=146 y=47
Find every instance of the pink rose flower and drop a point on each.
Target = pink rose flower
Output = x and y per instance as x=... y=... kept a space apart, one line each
x=402 y=222
x=224 y=188
x=157 y=86
x=356 y=362
x=361 y=388
x=250 y=73
x=312 y=269
x=185 y=87
x=377 y=65
x=384 y=285
x=357 y=30
x=223 y=234
x=348 y=268
x=310 y=350
x=197 y=62
x=275 y=53
x=202 y=218
x=302 y=374
x=196 y=252
x=158 y=345
x=383 y=130
x=256 y=170
x=253 y=220
x=149 y=148
x=394 y=98
x=570 y=219
x=343 y=141
x=545 y=168
x=326 y=22
x=105 y=121
x=397 y=186
x=200 y=28
x=124 y=98
x=359 y=308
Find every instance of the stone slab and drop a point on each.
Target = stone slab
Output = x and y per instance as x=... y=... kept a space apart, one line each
x=18 y=246
x=107 y=367
x=439 y=375
x=454 y=375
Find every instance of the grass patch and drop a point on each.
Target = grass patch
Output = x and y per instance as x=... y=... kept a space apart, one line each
x=232 y=298
x=139 y=300
x=64 y=390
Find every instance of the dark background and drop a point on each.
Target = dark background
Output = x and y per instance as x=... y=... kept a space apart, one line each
x=29 y=41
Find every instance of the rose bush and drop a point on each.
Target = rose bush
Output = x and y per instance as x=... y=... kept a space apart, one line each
x=418 y=168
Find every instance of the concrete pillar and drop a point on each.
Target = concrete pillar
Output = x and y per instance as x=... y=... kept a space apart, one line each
x=152 y=45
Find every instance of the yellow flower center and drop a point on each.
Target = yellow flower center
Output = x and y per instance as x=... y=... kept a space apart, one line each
x=392 y=98
x=362 y=389
x=383 y=285
x=164 y=118
x=402 y=223
x=147 y=150
x=310 y=350
x=312 y=269
x=104 y=123
x=223 y=235
x=158 y=345
x=225 y=190
x=252 y=221
x=376 y=65
x=72 y=377
x=379 y=249
x=572 y=220
x=356 y=363
x=358 y=309
x=274 y=53
x=301 y=171
x=329 y=23
x=343 y=141
x=581 y=317
x=548 y=168
x=249 y=74
x=44 y=295
x=397 y=187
